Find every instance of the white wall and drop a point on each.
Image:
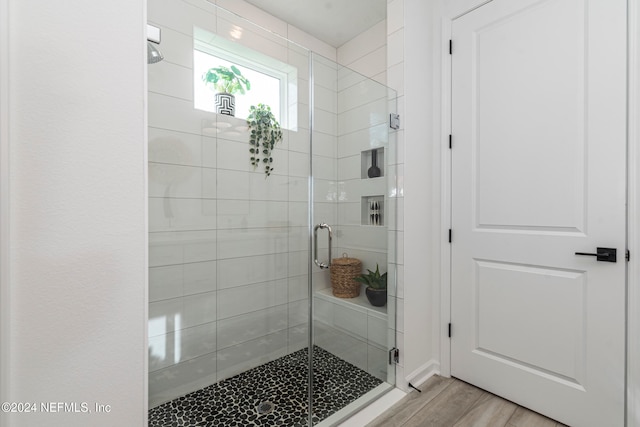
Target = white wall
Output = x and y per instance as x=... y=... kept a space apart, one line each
x=77 y=250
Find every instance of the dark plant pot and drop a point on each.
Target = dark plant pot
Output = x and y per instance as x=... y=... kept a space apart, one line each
x=225 y=104
x=377 y=297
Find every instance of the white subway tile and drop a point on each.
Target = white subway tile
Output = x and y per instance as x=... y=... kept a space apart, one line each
x=350 y=167
x=323 y=311
x=162 y=351
x=298 y=338
x=246 y=327
x=240 y=242
x=166 y=112
x=199 y=309
x=325 y=73
x=324 y=168
x=395 y=48
x=233 y=184
x=350 y=320
x=350 y=213
x=177 y=148
x=395 y=78
x=377 y=362
x=176 y=47
x=245 y=299
x=364 y=139
x=325 y=99
x=368 y=40
x=325 y=122
x=171 y=79
x=177 y=380
x=199 y=277
x=298 y=312
x=165 y=316
x=165 y=282
x=362 y=117
x=299 y=164
x=299 y=263
x=197 y=341
x=234 y=272
x=233 y=214
x=253 y=14
x=167 y=214
x=395 y=15
x=242 y=357
x=174 y=181
x=180 y=16
x=377 y=331
x=372 y=63
x=360 y=94
x=298 y=288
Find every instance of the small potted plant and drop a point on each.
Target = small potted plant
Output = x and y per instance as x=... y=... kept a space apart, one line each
x=376 y=286
x=265 y=132
x=226 y=82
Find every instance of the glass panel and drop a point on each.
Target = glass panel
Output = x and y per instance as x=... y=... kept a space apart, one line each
x=353 y=157
x=228 y=315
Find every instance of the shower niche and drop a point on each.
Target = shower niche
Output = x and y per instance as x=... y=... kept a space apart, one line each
x=372 y=210
x=372 y=163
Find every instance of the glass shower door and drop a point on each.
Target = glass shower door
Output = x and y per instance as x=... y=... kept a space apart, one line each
x=353 y=154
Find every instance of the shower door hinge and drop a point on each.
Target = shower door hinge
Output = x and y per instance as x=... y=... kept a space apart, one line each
x=394 y=121
x=450 y=142
x=450 y=233
x=627 y=255
x=450 y=47
x=449 y=330
x=394 y=356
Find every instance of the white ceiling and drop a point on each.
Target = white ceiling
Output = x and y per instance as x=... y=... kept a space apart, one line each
x=333 y=21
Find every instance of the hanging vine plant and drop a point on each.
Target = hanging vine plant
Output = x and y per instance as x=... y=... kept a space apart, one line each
x=265 y=133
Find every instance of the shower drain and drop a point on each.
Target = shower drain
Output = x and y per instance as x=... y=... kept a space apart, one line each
x=265 y=408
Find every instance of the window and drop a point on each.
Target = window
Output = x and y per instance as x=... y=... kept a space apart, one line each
x=268 y=83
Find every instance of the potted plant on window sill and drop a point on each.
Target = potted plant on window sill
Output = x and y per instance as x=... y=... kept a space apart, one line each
x=226 y=82
x=376 y=286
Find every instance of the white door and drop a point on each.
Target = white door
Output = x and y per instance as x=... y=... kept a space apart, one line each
x=538 y=174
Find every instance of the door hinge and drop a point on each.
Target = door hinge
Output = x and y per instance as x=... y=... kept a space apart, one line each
x=450 y=142
x=450 y=233
x=449 y=330
x=394 y=356
x=394 y=121
x=627 y=255
x=450 y=47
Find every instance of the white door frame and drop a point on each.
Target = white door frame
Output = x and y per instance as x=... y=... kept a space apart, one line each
x=633 y=200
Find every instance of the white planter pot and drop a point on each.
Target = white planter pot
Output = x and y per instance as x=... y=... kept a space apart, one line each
x=225 y=104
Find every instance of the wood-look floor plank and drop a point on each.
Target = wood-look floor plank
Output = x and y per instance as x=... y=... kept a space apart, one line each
x=488 y=411
x=447 y=407
x=523 y=417
x=401 y=412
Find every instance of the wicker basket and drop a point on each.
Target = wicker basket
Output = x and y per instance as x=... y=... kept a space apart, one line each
x=343 y=271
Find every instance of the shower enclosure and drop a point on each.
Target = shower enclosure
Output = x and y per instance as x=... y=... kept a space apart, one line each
x=243 y=326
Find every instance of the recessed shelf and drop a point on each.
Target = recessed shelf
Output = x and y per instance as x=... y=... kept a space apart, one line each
x=368 y=169
x=372 y=211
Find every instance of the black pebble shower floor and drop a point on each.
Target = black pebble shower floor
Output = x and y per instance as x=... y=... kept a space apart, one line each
x=283 y=382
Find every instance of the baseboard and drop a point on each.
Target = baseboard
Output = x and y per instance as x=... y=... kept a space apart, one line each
x=423 y=373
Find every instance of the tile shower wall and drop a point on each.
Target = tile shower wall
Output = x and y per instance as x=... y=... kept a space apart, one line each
x=228 y=248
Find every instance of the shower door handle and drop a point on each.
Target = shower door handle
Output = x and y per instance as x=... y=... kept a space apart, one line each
x=322 y=265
